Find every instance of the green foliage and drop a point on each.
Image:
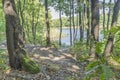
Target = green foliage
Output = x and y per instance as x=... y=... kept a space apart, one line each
x=3 y=65
x=116 y=50
x=65 y=22
x=34 y=22
x=92 y=69
x=32 y=16
x=55 y=44
x=30 y=65
x=2 y=24
x=115 y=29
x=98 y=70
x=80 y=51
x=99 y=47
x=107 y=73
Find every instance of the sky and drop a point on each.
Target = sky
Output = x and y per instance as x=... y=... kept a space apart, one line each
x=106 y=1
x=55 y=14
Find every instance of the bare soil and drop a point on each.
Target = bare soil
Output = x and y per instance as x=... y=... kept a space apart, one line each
x=55 y=64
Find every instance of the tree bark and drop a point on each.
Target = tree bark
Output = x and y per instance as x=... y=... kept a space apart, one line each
x=60 y=28
x=20 y=13
x=110 y=42
x=94 y=27
x=108 y=21
x=88 y=23
x=14 y=35
x=73 y=20
x=80 y=23
x=47 y=24
x=70 y=24
x=104 y=17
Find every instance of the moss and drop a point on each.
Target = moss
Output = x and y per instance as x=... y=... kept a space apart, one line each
x=27 y=64
x=30 y=66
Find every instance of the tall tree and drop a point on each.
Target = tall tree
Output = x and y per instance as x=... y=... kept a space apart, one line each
x=108 y=21
x=88 y=22
x=94 y=26
x=47 y=24
x=104 y=16
x=60 y=14
x=110 y=41
x=14 y=35
x=73 y=20
x=13 y=32
x=20 y=13
x=70 y=23
x=80 y=21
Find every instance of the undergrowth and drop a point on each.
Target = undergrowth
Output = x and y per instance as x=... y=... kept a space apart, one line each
x=3 y=65
x=99 y=69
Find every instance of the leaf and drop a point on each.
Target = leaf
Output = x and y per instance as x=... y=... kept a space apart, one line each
x=107 y=72
x=99 y=46
x=114 y=29
x=92 y=67
x=92 y=64
x=91 y=70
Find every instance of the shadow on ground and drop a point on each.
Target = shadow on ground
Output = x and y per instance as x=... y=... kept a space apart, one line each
x=55 y=64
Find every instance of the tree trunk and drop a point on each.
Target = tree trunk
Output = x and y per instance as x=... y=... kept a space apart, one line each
x=33 y=27
x=13 y=32
x=80 y=24
x=104 y=17
x=15 y=43
x=94 y=26
x=109 y=15
x=88 y=23
x=110 y=41
x=77 y=26
x=60 y=28
x=73 y=21
x=70 y=25
x=20 y=13
x=47 y=24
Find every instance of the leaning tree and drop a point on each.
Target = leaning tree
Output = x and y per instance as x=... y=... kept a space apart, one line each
x=18 y=58
x=110 y=41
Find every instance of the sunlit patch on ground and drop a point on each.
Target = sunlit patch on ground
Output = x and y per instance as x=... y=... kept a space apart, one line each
x=55 y=65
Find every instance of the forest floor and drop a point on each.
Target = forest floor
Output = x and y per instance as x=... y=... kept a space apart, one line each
x=55 y=64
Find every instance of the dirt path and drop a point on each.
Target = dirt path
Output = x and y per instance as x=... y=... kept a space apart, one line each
x=55 y=65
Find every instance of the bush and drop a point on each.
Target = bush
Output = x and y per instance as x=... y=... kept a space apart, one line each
x=3 y=65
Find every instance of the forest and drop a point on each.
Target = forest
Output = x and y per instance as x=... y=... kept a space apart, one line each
x=59 y=40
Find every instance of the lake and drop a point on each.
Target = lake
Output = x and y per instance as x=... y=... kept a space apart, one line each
x=66 y=40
